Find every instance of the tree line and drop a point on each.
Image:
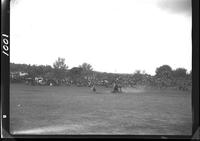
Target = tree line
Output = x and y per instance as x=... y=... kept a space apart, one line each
x=84 y=75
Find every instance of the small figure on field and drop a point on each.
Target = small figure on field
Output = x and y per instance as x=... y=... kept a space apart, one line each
x=120 y=88
x=115 y=88
x=89 y=84
x=93 y=88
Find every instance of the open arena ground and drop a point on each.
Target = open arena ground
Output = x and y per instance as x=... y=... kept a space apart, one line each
x=76 y=110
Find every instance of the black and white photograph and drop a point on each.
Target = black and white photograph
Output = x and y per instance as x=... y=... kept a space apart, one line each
x=100 y=67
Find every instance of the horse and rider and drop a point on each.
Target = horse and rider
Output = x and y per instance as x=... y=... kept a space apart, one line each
x=93 y=88
x=117 y=88
x=92 y=85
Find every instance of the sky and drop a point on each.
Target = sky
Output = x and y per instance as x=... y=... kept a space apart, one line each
x=119 y=36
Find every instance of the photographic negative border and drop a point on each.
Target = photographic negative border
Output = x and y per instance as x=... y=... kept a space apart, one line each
x=5 y=67
x=195 y=66
x=5 y=71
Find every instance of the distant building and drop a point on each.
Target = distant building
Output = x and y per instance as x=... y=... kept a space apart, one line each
x=18 y=74
x=14 y=75
x=39 y=80
x=23 y=74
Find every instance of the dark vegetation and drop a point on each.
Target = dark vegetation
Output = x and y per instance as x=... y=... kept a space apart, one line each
x=84 y=75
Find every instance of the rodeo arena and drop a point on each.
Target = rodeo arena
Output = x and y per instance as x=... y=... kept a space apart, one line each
x=116 y=82
x=90 y=102
x=90 y=82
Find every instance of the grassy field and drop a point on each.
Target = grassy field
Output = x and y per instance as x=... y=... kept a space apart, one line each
x=76 y=110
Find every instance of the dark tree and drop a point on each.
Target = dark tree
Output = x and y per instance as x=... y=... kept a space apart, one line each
x=86 y=70
x=164 y=76
x=32 y=71
x=181 y=79
x=60 y=69
x=137 y=77
x=180 y=73
x=76 y=74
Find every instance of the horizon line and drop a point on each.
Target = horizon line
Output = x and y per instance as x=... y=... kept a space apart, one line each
x=124 y=73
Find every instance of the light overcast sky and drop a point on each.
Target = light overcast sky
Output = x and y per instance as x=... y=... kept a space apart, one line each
x=112 y=35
